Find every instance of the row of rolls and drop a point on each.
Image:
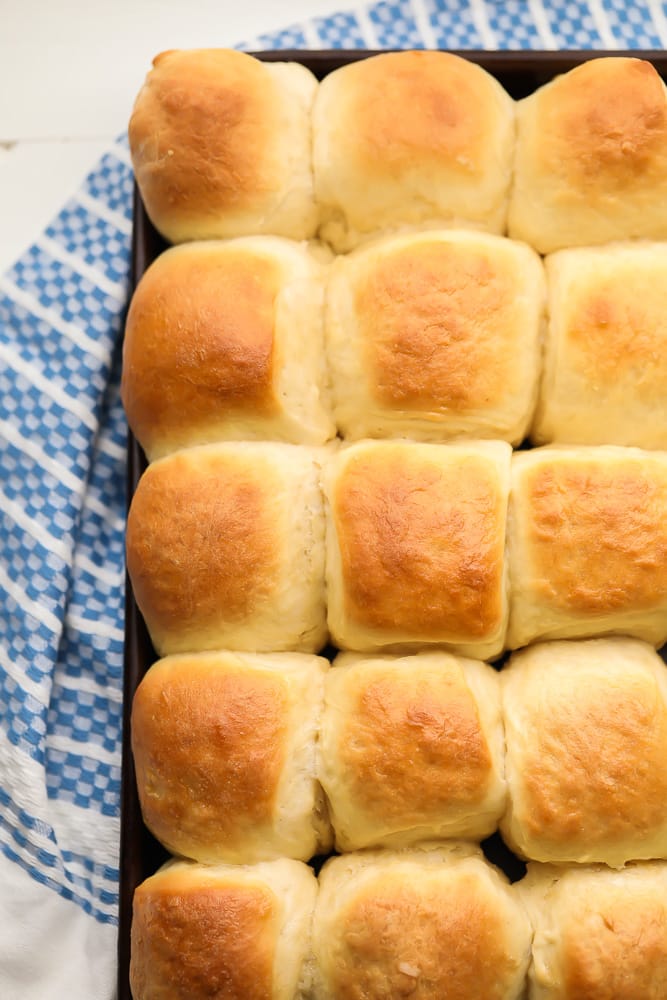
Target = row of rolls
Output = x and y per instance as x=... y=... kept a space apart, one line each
x=225 y=144
x=430 y=922
x=432 y=335
x=247 y=757
x=396 y=545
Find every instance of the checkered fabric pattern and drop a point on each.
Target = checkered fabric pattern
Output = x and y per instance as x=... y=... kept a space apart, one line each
x=62 y=456
x=481 y=24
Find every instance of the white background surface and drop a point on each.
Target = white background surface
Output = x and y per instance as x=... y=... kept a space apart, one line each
x=69 y=72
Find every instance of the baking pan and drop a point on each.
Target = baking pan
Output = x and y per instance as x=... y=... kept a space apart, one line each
x=140 y=854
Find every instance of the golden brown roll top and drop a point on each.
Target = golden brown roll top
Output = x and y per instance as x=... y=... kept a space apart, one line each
x=430 y=923
x=605 y=379
x=435 y=335
x=238 y=933
x=415 y=546
x=587 y=538
x=224 y=751
x=220 y=146
x=411 y=749
x=599 y=934
x=225 y=549
x=591 y=157
x=586 y=745
x=224 y=341
x=410 y=138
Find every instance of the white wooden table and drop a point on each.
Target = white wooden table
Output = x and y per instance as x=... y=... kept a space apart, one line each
x=69 y=72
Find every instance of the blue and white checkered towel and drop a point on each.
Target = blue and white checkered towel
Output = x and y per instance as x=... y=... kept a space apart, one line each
x=62 y=474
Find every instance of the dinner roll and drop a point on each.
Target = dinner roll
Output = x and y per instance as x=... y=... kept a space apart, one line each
x=415 y=546
x=410 y=138
x=435 y=335
x=412 y=749
x=591 y=157
x=224 y=754
x=599 y=934
x=431 y=923
x=224 y=341
x=587 y=534
x=242 y=933
x=225 y=549
x=586 y=743
x=220 y=146
x=605 y=378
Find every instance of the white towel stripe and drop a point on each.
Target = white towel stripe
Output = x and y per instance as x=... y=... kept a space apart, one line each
x=114 y=289
x=116 y=521
x=659 y=20
x=87 y=626
x=423 y=23
x=602 y=24
x=87 y=685
x=110 y=448
x=39 y=841
x=38 y=455
x=28 y=788
x=89 y=749
x=311 y=35
x=109 y=215
x=32 y=527
x=112 y=578
x=48 y=387
x=84 y=837
x=479 y=15
x=56 y=876
x=367 y=29
x=42 y=614
x=542 y=24
x=122 y=153
x=39 y=690
x=54 y=319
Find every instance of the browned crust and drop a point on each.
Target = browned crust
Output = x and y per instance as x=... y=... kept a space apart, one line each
x=433 y=318
x=618 y=949
x=593 y=772
x=202 y=940
x=209 y=750
x=421 y=545
x=456 y=942
x=613 y=322
x=201 y=133
x=201 y=540
x=414 y=745
x=431 y=105
x=199 y=342
x=596 y=534
x=605 y=119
